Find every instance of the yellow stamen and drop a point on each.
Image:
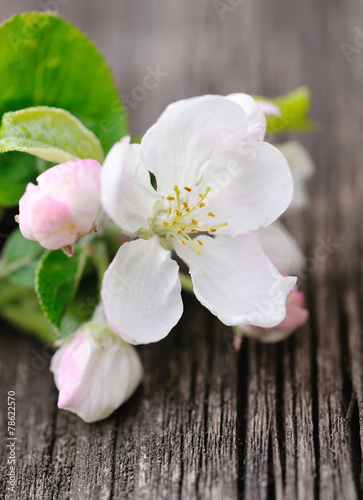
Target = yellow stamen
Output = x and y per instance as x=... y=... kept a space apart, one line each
x=177 y=192
x=211 y=214
x=200 y=242
x=212 y=230
x=165 y=223
x=183 y=241
x=192 y=242
x=193 y=230
x=170 y=198
x=202 y=205
x=198 y=205
x=194 y=221
x=187 y=189
x=206 y=228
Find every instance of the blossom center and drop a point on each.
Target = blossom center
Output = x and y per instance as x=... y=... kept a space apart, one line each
x=179 y=219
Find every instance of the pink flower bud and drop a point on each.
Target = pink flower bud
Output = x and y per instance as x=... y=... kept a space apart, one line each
x=64 y=204
x=296 y=316
x=95 y=373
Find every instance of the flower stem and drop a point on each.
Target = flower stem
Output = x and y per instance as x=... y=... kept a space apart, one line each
x=186 y=282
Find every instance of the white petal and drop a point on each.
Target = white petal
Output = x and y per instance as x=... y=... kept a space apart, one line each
x=126 y=192
x=256 y=118
x=280 y=247
x=141 y=292
x=302 y=168
x=250 y=187
x=176 y=148
x=234 y=279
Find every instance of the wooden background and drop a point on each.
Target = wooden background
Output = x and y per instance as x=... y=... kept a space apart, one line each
x=282 y=421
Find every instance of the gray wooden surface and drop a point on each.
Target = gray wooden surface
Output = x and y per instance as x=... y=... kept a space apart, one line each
x=282 y=421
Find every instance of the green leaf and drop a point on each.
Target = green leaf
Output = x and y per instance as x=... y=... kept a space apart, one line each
x=16 y=170
x=81 y=308
x=57 y=280
x=45 y=61
x=49 y=133
x=294 y=108
x=20 y=306
x=19 y=259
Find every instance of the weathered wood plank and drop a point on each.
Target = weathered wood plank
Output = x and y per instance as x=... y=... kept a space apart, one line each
x=282 y=421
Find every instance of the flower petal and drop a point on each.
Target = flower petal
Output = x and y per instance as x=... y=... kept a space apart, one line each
x=256 y=118
x=176 y=148
x=234 y=279
x=280 y=247
x=302 y=168
x=95 y=373
x=141 y=292
x=126 y=192
x=250 y=187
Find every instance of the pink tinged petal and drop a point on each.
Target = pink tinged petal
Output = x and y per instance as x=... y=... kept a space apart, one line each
x=52 y=224
x=295 y=317
x=141 y=292
x=256 y=118
x=126 y=192
x=296 y=298
x=302 y=169
x=72 y=379
x=177 y=147
x=77 y=184
x=250 y=187
x=25 y=220
x=280 y=247
x=95 y=373
x=235 y=280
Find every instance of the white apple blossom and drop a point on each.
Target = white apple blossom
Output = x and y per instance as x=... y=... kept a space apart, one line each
x=216 y=181
x=95 y=372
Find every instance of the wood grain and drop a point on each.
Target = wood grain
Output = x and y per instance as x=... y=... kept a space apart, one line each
x=282 y=421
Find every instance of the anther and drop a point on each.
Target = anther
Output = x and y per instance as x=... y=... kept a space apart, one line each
x=194 y=221
x=193 y=230
x=170 y=198
x=211 y=214
x=187 y=189
x=200 y=242
x=202 y=205
x=212 y=230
